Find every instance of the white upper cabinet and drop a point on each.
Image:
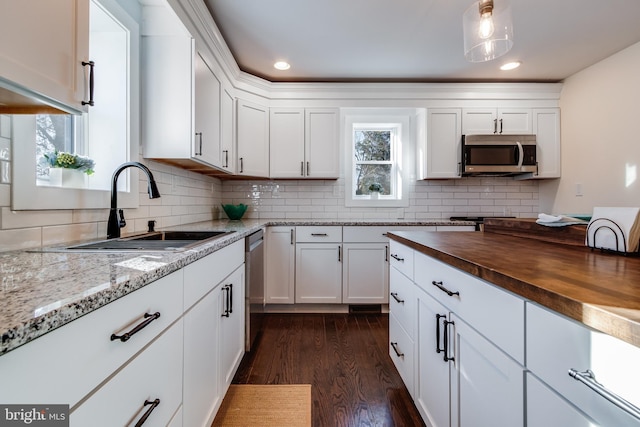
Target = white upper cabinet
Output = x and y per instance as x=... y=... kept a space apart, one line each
x=439 y=154
x=49 y=41
x=304 y=143
x=253 y=139
x=181 y=95
x=227 y=131
x=497 y=121
x=546 y=126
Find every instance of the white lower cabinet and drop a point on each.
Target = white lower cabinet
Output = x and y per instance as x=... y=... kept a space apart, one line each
x=150 y=387
x=319 y=273
x=365 y=273
x=232 y=320
x=280 y=257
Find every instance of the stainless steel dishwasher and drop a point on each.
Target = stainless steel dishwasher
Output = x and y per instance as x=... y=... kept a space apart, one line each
x=254 y=286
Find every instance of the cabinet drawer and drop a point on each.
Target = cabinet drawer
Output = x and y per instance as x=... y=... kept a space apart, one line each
x=375 y=233
x=402 y=352
x=319 y=234
x=402 y=300
x=156 y=373
x=67 y=363
x=401 y=258
x=495 y=313
x=203 y=275
x=556 y=344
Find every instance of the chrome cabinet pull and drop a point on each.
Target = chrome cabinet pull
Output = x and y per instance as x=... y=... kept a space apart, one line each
x=588 y=378
x=91 y=65
x=395 y=297
x=394 y=345
x=397 y=258
x=148 y=319
x=154 y=404
x=443 y=289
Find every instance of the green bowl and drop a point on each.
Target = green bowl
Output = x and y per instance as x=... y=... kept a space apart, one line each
x=235 y=212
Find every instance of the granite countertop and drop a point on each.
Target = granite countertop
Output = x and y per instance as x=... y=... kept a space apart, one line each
x=41 y=291
x=601 y=290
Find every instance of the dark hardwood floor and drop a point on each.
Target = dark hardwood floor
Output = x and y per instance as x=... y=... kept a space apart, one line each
x=345 y=359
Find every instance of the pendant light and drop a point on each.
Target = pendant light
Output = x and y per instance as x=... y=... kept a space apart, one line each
x=488 y=30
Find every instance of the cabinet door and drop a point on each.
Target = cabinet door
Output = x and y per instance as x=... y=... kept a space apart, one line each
x=280 y=265
x=479 y=121
x=231 y=326
x=319 y=273
x=546 y=125
x=49 y=41
x=202 y=395
x=432 y=384
x=442 y=152
x=514 y=121
x=365 y=273
x=322 y=143
x=286 y=142
x=487 y=386
x=206 y=141
x=155 y=373
x=253 y=139
x=227 y=157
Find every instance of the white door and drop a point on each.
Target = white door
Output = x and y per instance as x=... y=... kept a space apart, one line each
x=479 y=121
x=232 y=323
x=546 y=125
x=442 y=153
x=206 y=142
x=432 y=386
x=515 y=121
x=487 y=386
x=286 y=142
x=227 y=156
x=253 y=139
x=365 y=274
x=280 y=265
x=319 y=273
x=322 y=143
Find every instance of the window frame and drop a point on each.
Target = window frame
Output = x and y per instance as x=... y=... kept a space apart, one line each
x=27 y=195
x=403 y=120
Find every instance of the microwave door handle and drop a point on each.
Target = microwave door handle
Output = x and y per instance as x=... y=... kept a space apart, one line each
x=520 y=154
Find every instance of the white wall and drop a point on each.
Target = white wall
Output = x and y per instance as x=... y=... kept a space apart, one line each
x=600 y=109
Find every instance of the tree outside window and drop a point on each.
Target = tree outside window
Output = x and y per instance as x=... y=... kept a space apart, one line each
x=374 y=162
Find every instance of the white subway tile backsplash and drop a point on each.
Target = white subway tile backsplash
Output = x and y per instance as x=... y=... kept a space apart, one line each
x=66 y=233
x=22 y=238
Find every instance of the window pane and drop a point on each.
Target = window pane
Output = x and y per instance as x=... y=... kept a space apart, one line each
x=372 y=174
x=372 y=145
x=53 y=132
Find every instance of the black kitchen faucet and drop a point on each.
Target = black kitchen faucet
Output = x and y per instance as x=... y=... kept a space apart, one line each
x=114 y=225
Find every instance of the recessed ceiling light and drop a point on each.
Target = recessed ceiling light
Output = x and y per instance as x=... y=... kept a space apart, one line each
x=281 y=65
x=510 y=66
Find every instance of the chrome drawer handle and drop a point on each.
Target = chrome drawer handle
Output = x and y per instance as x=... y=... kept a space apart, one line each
x=395 y=297
x=148 y=319
x=588 y=378
x=154 y=404
x=443 y=289
x=394 y=345
x=397 y=258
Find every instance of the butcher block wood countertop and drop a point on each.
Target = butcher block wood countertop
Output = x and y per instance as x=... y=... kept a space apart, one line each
x=601 y=290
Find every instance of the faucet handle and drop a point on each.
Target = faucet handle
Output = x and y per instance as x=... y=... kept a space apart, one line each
x=122 y=222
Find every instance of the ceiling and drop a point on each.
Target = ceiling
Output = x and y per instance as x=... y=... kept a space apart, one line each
x=417 y=40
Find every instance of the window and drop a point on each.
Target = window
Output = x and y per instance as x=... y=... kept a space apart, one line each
x=107 y=134
x=378 y=152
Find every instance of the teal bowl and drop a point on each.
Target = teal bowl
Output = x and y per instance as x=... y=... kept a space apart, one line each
x=235 y=212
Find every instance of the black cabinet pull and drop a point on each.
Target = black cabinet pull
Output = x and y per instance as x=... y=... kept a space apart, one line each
x=91 y=65
x=443 y=289
x=241 y=165
x=148 y=319
x=500 y=125
x=301 y=168
x=446 y=357
x=395 y=297
x=394 y=345
x=495 y=125
x=438 y=317
x=226 y=158
x=199 y=153
x=339 y=253
x=319 y=234
x=230 y=285
x=308 y=169
x=226 y=304
x=386 y=254
x=154 y=404
x=397 y=258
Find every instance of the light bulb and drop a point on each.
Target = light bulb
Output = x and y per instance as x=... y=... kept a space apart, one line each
x=486 y=28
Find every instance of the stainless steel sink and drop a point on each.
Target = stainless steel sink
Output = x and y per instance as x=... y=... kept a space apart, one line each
x=154 y=241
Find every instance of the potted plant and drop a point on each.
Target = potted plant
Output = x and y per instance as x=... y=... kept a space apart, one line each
x=374 y=190
x=68 y=170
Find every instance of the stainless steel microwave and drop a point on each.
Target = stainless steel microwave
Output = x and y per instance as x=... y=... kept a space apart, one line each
x=498 y=154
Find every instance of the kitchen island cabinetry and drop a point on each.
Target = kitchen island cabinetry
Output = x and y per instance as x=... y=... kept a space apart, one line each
x=252 y=122
x=49 y=43
x=304 y=143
